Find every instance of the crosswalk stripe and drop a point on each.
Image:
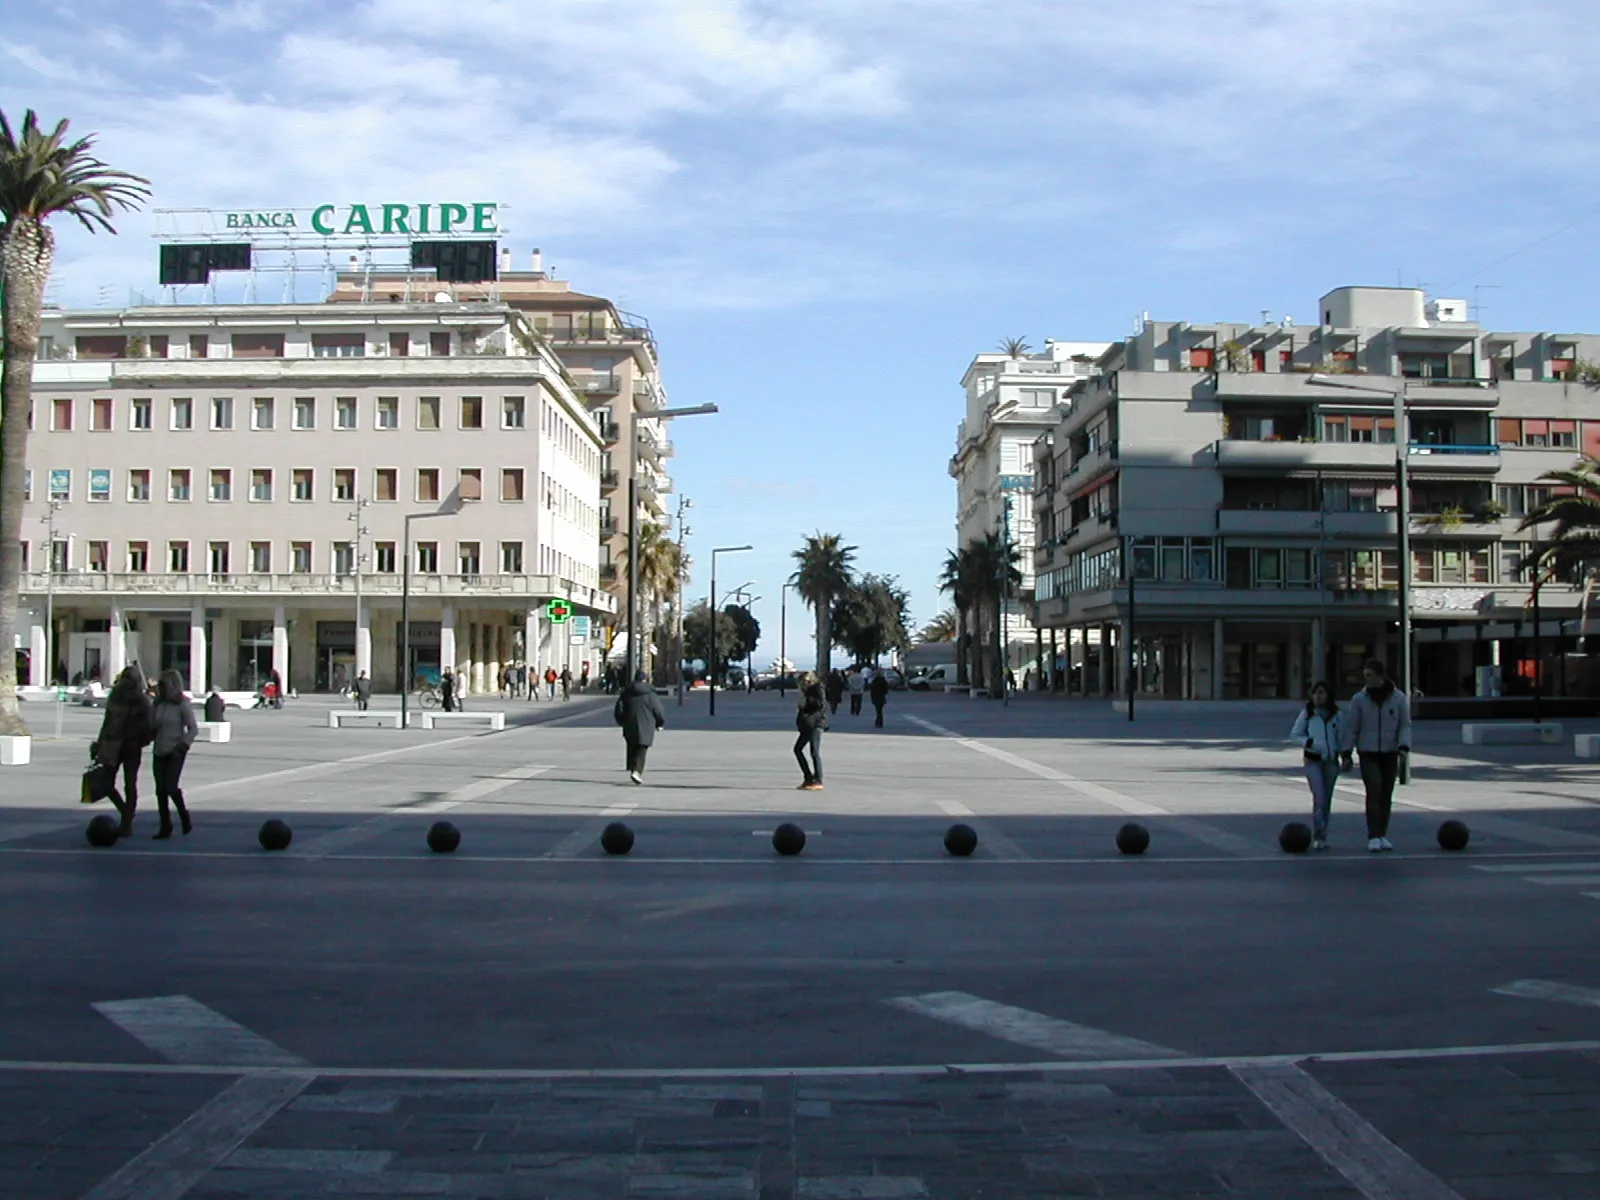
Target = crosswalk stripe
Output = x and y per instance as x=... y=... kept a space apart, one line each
x=1027 y=1028
x=1544 y=989
x=182 y=1030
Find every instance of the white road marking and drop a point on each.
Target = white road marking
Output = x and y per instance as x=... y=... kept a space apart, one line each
x=342 y=839
x=1543 y=989
x=1027 y=1028
x=1374 y=1165
x=618 y=810
x=333 y=767
x=1562 y=880
x=955 y=808
x=1520 y=868
x=183 y=1030
x=585 y=835
x=810 y=833
x=170 y=1167
x=477 y=789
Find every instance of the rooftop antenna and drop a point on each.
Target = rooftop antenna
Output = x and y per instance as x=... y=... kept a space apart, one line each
x=1266 y=316
x=1478 y=308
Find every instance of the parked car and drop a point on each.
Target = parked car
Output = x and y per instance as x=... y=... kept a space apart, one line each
x=933 y=677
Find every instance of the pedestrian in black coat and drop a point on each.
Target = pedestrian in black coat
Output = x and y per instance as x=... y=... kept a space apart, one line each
x=363 y=690
x=811 y=719
x=640 y=714
x=878 y=691
x=447 y=689
x=124 y=734
x=833 y=690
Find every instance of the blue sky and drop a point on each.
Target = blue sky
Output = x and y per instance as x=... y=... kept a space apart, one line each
x=826 y=207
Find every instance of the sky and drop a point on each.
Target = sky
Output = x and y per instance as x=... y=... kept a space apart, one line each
x=825 y=208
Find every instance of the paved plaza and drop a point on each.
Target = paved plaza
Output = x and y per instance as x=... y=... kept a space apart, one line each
x=528 y=1017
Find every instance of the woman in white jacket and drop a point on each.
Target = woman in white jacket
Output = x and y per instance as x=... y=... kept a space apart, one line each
x=1318 y=733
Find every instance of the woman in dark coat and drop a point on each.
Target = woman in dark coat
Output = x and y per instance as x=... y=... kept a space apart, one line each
x=173 y=727
x=640 y=714
x=124 y=734
x=811 y=720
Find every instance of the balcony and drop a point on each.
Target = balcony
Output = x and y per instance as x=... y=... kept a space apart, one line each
x=609 y=573
x=609 y=480
x=600 y=385
x=608 y=527
x=1240 y=455
x=610 y=433
x=1304 y=523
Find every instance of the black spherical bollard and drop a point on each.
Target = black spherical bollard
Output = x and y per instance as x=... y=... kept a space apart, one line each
x=788 y=839
x=103 y=830
x=1133 y=839
x=1295 y=837
x=1454 y=835
x=443 y=837
x=961 y=840
x=275 y=835
x=616 y=838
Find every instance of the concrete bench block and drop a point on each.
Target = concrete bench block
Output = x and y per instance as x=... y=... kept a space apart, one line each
x=16 y=751
x=339 y=718
x=1586 y=745
x=215 y=731
x=1510 y=733
x=494 y=720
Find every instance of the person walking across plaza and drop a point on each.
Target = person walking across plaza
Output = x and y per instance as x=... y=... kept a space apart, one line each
x=811 y=719
x=550 y=679
x=856 y=682
x=124 y=733
x=878 y=691
x=1378 y=727
x=363 y=691
x=1317 y=730
x=173 y=727
x=566 y=683
x=447 y=689
x=640 y=714
x=834 y=689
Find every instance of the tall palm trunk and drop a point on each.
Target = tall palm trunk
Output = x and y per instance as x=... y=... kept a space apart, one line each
x=825 y=636
x=25 y=255
x=961 y=644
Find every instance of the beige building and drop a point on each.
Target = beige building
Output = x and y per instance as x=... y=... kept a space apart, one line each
x=615 y=367
x=223 y=489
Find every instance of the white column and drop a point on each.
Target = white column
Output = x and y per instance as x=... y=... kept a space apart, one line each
x=280 y=645
x=117 y=645
x=447 y=638
x=364 y=642
x=530 y=642
x=1216 y=659
x=39 y=667
x=197 y=649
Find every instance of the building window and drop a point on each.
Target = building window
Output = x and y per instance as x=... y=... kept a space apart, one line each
x=100 y=414
x=511 y=558
x=400 y=345
x=99 y=556
x=178 y=557
x=439 y=345
x=261 y=558
x=338 y=345
x=102 y=347
x=428 y=484
x=222 y=412
x=385 y=481
x=427 y=412
x=344 y=558
x=60 y=557
x=219 y=558
x=511 y=484
x=344 y=412
x=344 y=484
x=428 y=558
x=470 y=483
x=472 y=412
x=139 y=485
x=199 y=345
x=139 y=413
x=221 y=484
x=258 y=345
x=305 y=412
x=383 y=557
x=183 y=414
x=100 y=483
x=178 y=484
x=469 y=559
x=138 y=557
x=261 y=484
x=512 y=412
x=1564 y=435
x=61 y=415
x=300 y=558
x=303 y=484
x=388 y=412
x=159 y=343
x=263 y=413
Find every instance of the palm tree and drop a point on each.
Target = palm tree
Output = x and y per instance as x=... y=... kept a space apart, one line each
x=943 y=628
x=41 y=175
x=991 y=563
x=956 y=578
x=1014 y=347
x=824 y=573
x=659 y=576
x=1574 y=543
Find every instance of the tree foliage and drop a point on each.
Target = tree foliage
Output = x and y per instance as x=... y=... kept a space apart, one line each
x=943 y=628
x=825 y=570
x=1574 y=544
x=869 y=617
x=737 y=634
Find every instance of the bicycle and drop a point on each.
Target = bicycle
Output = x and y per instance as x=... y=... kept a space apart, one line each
x=428 y=696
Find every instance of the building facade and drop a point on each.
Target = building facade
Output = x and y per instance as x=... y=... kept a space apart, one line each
x=1214 y=501
x=1011 y=400
x=223 y=489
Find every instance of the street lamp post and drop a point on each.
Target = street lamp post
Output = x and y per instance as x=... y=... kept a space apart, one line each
x=711 y=654
x=684 y=503
x=356 y=505
x=631 y=657
x=49 y=519
x=783 y=636
x=453 y=503
x=1402 y=517
x=747 y=601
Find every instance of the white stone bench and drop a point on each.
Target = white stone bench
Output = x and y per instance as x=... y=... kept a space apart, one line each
x=340 y=717
x=214 y=731
x=1510 y=732
x=1586 y=745
x=432 y=720
x=16 y=751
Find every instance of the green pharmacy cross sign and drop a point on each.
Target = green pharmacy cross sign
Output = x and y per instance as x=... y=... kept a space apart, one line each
x=558 y=611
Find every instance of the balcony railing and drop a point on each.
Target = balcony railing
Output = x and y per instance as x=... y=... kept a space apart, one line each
x=609 y=479
x=610 y=433
x=600 y=385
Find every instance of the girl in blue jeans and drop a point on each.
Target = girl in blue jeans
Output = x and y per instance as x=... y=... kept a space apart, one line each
x=1317 y=730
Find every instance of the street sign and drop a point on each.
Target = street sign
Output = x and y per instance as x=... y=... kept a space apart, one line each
x=580 y=627
x=559 y=612
x=578 y=639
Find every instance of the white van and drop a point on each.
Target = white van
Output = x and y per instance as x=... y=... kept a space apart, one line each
x=933 y=678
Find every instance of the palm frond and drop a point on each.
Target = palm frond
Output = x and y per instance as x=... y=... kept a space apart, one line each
x=42 y=174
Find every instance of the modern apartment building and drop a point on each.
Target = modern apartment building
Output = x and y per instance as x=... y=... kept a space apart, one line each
x=615 y=367
x=223 y=489
x=1010 y=401
x=1209 y=499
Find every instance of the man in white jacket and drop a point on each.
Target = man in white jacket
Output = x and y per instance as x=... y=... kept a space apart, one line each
x=1378 y=726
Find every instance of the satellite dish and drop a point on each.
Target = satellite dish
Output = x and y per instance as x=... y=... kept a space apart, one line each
x=441 y=297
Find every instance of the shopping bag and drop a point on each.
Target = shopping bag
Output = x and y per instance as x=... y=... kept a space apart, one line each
x=98 y=782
